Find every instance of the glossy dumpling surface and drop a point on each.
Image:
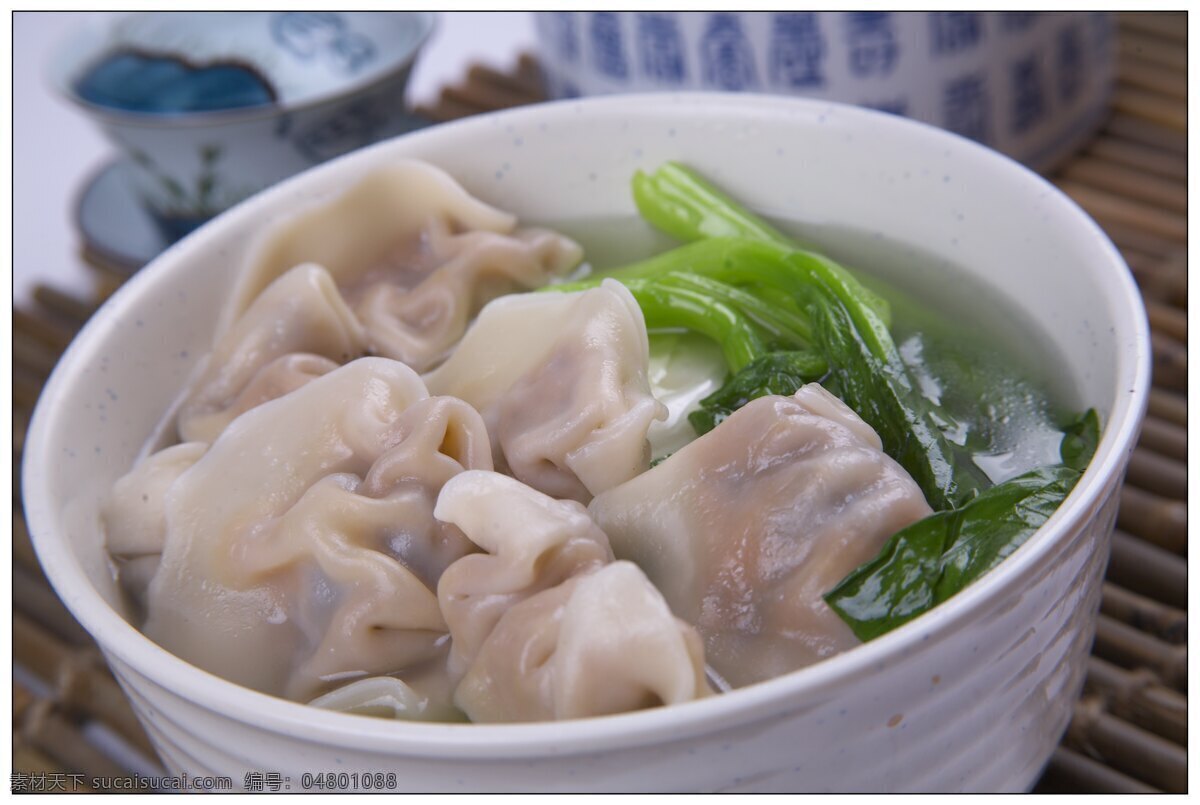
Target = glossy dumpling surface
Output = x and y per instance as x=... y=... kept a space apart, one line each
x=747 y=527
x=301 y=550
x=415 y=256
x=297 y=329
x=530 y=542
x=561 y=381
x=600 y=642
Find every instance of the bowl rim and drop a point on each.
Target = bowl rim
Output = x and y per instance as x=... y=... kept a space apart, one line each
x=59 y=76
x=758 y=702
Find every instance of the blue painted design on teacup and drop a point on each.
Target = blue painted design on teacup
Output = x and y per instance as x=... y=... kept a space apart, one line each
x=166 y=84
x=337 y=78
x=308 y=35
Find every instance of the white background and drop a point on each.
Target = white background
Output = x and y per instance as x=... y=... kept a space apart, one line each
x=56 y=149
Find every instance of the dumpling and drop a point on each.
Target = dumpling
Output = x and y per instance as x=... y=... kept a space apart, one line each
x=297 y=329
x=420 y=325
x=600 y=642
x=745 y=529
x=134 y=518
x=424 y=695
x=544 y=625
x=531 y=542
x=301 y=550
x=561 y=381
x=415 y=256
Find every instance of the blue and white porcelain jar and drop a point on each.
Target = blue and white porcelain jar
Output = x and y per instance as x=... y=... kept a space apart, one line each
x=1030 y=84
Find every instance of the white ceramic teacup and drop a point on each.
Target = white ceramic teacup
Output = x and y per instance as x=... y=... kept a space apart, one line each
x=337 y=81
x=974 y=695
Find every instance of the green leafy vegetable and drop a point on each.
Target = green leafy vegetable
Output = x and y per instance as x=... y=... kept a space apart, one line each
x=931 y=560
x=681 y=203
x=667 y=306
x=774 y=373
x=867 y=373
x=1080 y=439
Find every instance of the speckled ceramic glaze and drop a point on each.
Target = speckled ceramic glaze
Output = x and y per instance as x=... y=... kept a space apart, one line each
x=972 y=696
x=338 y=80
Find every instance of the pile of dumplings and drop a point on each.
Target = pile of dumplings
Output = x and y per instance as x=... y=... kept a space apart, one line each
x=401 y=484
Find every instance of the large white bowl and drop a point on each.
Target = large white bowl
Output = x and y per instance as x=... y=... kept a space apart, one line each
x=972 y=696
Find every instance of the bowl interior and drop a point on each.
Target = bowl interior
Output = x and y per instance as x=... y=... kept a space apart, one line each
x=816 y=165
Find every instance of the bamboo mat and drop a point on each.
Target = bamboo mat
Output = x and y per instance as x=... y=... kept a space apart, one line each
x=72 y=724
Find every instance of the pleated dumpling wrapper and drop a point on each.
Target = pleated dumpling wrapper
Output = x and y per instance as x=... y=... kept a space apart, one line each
x=561 y=381
x=414 y=255
x=550 y=628
x=297 y=329
x=300 y=551
x=530 y=542
x=746 y=528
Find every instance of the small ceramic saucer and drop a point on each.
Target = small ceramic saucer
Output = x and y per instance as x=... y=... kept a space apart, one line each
x=114 y=224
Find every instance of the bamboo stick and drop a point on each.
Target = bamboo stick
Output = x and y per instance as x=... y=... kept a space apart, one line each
x=1132 y=44
x=36 y=649
x=86 y=687
x=1109 y=208
x=48 y=731
x=1154 y=519
x=445 y=109
x=52 y=335
x=23 y=546
x=83 y=685
x=40 y=603
x=71 y=309
x=22 y=698
x=25 y=391
x=1128 y=183
x=1168 y=406
x=1157 y=280
x=1137 y=697
x=529 y=73
x=1166 y=623
x=1128 y=748
x=1156 y=246
x=1159 y=25
x=1147 y=133
x=28 y=761
x=1140 y=74
x=1144 y=568
x=509 y=85
x=20 y=426
x=33 y=357
x=1164 y=437
x=1072 y=773
x=1158 y=473
x=1130 y=648
x=1139 y=157
x=1168 y=320
x=1170 y=362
